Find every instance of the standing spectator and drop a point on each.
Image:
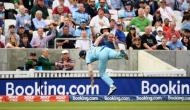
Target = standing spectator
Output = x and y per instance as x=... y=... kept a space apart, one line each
x=40 y=6
x=65 y=62
x=44 y=61
x=31 y=62
x=98 y=22
x=148 y=40
x=40 y=41
x=140 y=21
x=163 y=45
x=23 y=19
x=38 y=21
x=81 y=15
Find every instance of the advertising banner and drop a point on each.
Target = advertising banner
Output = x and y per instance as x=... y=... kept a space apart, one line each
x=79 y=89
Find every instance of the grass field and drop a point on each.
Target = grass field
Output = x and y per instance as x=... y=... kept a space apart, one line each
x=97 y=106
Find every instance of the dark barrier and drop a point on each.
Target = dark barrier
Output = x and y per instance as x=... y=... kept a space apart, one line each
x=79 y=89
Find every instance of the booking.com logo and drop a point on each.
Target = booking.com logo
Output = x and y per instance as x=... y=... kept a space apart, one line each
x=47 y=89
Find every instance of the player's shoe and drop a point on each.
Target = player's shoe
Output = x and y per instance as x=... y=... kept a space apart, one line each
x=125 y=54
x=111 y=90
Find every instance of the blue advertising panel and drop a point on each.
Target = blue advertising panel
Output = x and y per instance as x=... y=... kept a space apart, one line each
x=128 y=88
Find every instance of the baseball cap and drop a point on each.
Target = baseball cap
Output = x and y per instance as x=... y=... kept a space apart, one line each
x=65 y=51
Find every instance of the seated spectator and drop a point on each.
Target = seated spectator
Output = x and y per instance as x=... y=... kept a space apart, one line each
x=130 y=36
x=136 y=44
x=31 y=62
x=12 y=31
x=90 y=8
x=38 y=21
x=147 y=13
x=83 y=27
x=39 y=6
x=84 y=43
x=163 y=45
x=172 y=30
x=44 y=62
x=12 y=42
x=112 y=26
x=24 y=43
x=81 y=15
x=2 y=37
x=40 y=41
x=157 y=18
x=129 y=11
x=115 y=4
x=2 y=14
x=186 y=42
x=28 y=4
x=21 y=31
x=166 y=11
x=67 y=43
x=120 y=35
x=166 y=25
x=102 y=4
x=61 y=10
x=148 y=40
x=140 y=21
x=159 y=35
x=23 y=19
x=175 y=43
x=65 y=62
x=73 y=6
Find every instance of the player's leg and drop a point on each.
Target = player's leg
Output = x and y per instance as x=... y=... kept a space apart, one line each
x=113 y=54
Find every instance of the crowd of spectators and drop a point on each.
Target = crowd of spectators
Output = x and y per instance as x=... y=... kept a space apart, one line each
x=136 y=24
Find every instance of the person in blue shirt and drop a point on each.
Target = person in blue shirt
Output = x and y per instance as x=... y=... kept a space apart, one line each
x=175 y=43
x=103 y=54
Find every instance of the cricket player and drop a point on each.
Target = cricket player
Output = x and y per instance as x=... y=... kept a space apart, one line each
x=103 y=54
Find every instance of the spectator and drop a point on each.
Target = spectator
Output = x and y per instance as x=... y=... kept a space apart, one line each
x=73 y=6
x=147 y=13
x=67 y=43
x=112 y=26
x=2 y=37
x=38 y=21
x=136 y=44
x=186 y=42
x=157 y=18
x=58 y=2
x=130 y=36
x=84 y=43
x=102 y=4
x=51 y=42
x=81 y=15
x=159 y=35
x=83 y=27
x=120 y=35
x=40 y=41
x=90 y=8
x=148 y=40
x=98 y=22
x=24 y=43
x=28 y=4
x=129 y=11
x=44 y=62
x=175 y=43
x=12 y=42
x=67 y=22
x=65 y=62
x=153 y=6
x=2 y=14
x=21 y=31
x=140 y=21
x=166 y=11
x=31 y=63
x=40 y=6
x=12 y=31
x=116 y=4
x=172 y=30
x=166 y=25
x=23 y=19
x=163 y=45
x=61 y=10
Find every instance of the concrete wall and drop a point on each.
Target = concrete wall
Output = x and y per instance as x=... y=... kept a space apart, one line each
x=178 y=59
x=10 y=59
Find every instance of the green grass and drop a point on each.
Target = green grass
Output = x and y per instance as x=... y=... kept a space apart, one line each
x=96 y=106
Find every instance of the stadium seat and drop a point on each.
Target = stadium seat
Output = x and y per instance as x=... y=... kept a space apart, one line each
x=9 y=6
x=9 y=22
